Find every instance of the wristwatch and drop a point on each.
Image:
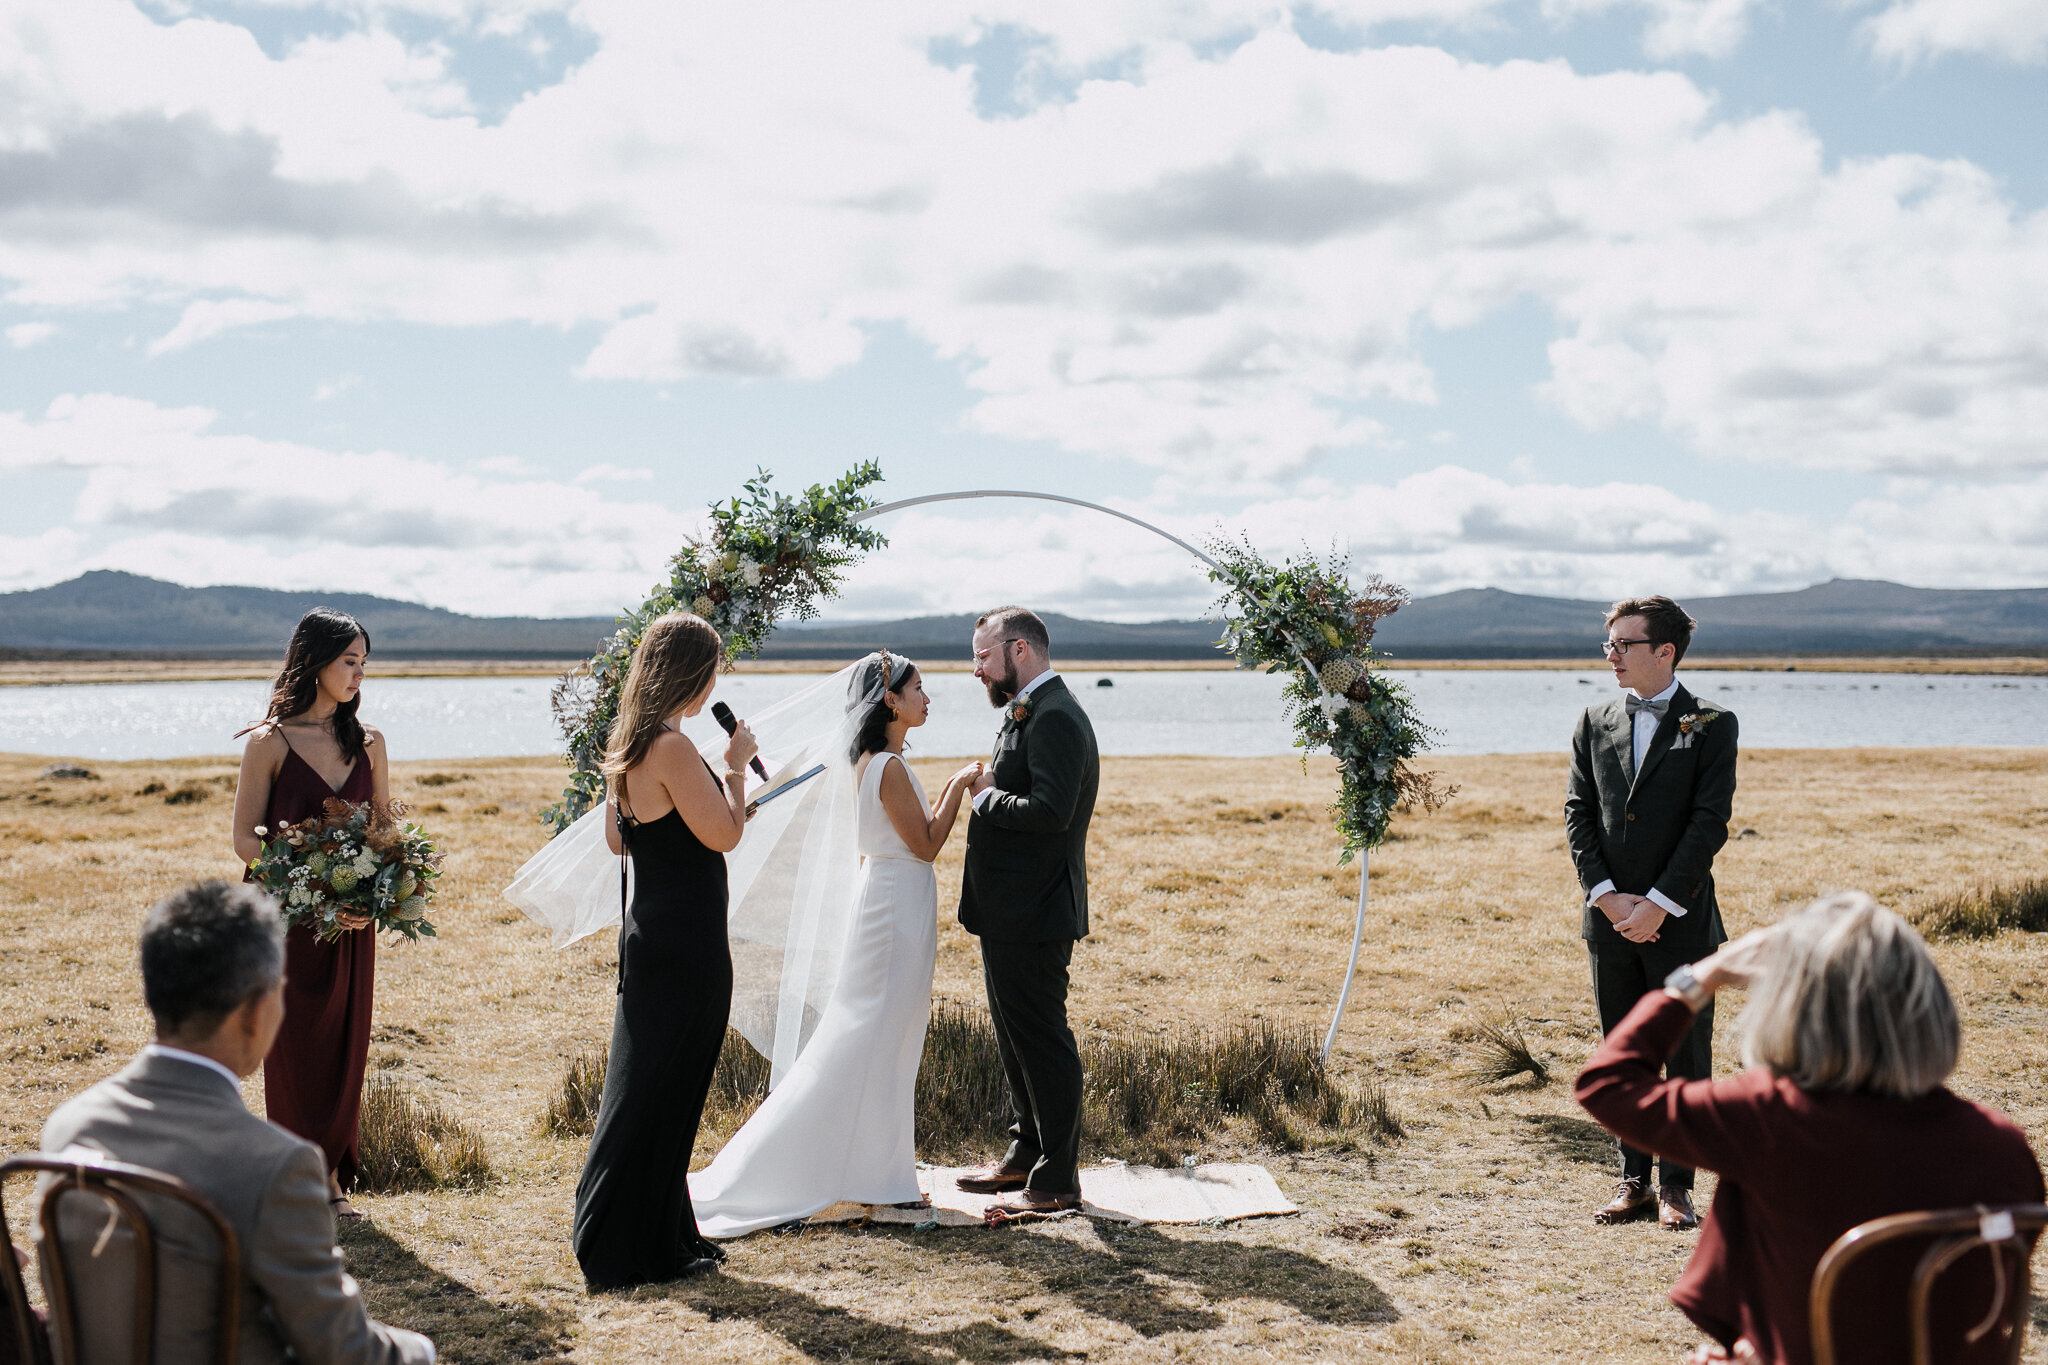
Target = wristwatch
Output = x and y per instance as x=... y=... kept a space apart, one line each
x=1686 y=986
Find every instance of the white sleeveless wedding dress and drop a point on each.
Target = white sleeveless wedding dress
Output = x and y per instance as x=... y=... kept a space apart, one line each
x=840 y=1125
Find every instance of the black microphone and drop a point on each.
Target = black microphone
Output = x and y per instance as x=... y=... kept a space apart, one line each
x=723 y=714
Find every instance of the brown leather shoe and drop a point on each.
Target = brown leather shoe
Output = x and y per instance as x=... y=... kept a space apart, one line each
x=995 y=1179
x=1030 y=1204
x=1674 y=1209
x=1632 y=1201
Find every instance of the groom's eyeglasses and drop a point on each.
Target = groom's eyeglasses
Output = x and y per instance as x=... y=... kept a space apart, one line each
x=981 y=655
x=1614 y=649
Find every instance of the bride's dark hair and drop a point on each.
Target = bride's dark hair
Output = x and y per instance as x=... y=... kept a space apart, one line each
x=872 y=734
x=322 y=636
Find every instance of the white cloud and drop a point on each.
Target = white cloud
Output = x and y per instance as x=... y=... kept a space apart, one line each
x=1674 y=28
x=327 y=390
x=166 y=494
x=1209 y=260
x=1908 y=31
x=23 y=335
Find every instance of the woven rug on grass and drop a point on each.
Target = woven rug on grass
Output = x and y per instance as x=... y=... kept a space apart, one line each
x=1218 y=1193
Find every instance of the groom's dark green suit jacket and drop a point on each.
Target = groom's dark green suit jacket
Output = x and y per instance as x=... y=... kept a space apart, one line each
x=1659 y=828
x=1026 y=874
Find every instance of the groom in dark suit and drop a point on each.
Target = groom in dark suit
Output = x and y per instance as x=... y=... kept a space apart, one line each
x=1652 y=783
x=1024 y=893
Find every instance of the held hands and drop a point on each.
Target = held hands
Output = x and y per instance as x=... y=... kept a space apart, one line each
x=982 y=782
x=348 y=921
x=739 y=748
x=967 y=776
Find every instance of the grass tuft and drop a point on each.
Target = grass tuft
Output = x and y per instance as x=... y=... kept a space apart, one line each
x=739 y=1084
x=1147 y=1098
x=1983 y=911
x=573 y=1110
x=410 y=1143
x=1505 y=1053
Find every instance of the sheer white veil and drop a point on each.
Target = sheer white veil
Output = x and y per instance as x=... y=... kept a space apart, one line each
x=793 y=881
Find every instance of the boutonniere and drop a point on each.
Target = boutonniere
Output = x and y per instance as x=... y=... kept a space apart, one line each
x=1696 y=721
x=1020 y=707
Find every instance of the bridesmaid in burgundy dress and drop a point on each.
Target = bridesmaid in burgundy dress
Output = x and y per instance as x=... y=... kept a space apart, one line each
x=311 y=746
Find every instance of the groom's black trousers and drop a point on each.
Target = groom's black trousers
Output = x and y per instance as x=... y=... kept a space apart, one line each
x=1027 y=1001
x=1624 y=973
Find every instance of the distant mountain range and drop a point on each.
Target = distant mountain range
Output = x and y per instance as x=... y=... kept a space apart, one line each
x=106 y=612
x=124 y=613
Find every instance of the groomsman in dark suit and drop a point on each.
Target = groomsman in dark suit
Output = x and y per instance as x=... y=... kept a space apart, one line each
x=1024 y=893
x=1652 y=783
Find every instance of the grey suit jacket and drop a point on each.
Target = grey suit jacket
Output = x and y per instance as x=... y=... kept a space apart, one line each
x=188 y=1121
x=1660 y=827
x=1025 y=878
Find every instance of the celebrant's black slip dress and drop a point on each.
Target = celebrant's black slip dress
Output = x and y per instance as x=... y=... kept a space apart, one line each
x=634 y=1224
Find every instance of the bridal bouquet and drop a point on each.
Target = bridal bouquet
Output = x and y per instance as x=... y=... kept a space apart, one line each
x=1305 y=617
x=351 y=859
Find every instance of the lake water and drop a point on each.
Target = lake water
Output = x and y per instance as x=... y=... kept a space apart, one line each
x=1216 y=713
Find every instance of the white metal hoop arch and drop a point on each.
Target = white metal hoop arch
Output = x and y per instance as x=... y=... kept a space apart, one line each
x=1364 y=856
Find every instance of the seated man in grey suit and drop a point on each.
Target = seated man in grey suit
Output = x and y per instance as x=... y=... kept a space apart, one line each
x=213 y=974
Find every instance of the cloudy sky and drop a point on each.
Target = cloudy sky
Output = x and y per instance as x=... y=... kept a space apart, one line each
x=478 y=302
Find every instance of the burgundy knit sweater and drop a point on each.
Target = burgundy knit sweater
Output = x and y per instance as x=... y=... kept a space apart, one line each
x=1797 y=1171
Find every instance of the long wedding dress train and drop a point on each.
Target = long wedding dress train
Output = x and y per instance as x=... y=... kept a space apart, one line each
x=840 y=1125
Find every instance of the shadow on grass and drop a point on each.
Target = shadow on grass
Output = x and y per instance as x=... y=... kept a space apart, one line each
x=1576 y=1139
x=1134 y=1275
x=823 y=1332
x=467 y=1328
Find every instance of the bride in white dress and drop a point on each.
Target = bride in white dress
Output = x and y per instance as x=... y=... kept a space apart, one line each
x=838 y=1124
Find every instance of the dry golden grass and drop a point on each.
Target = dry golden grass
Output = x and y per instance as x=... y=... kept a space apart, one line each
x=1217 y=902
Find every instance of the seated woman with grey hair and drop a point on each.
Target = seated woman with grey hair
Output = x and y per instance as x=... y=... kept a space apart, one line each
x=1842 y=1117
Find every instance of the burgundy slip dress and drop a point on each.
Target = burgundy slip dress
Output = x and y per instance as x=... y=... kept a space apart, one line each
x=313 y=1077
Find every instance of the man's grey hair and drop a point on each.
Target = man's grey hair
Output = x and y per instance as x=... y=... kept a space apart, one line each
x=1018 y=623
x=1849 y=999
x=206 y=949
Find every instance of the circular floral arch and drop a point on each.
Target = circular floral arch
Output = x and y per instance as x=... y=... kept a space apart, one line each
x=769 y=556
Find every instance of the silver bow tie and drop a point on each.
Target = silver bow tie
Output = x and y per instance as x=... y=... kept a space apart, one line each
x=1655 y=707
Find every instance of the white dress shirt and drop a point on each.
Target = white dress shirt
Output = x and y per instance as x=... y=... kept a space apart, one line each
x=178 y=1054
x=986 y=794
x=1646 y=723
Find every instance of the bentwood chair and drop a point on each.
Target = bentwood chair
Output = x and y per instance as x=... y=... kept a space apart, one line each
x=119 y=1187
x=2006 y=1234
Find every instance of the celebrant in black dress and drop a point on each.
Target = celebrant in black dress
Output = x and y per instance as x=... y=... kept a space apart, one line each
x=311 y=746
x=676 y=819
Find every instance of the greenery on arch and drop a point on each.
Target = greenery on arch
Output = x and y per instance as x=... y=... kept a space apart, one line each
x=766 y=557
x=1304 y=616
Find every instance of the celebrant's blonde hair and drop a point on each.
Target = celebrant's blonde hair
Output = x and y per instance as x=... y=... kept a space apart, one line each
x=675 y=663
x=1850 y=999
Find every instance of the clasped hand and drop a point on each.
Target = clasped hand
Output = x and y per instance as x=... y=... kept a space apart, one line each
x=1635 y=918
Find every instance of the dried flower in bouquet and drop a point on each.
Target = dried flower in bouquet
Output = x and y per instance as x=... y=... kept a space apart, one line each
x=354 y=858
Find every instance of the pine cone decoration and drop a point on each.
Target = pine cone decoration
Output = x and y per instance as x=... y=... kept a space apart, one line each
x=1360 y=689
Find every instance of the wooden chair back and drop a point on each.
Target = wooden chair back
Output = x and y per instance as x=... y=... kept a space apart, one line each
x=2007 y=1233
x=119 y=1185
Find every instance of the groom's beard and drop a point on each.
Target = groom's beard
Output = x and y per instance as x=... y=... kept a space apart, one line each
x=1002 y=689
